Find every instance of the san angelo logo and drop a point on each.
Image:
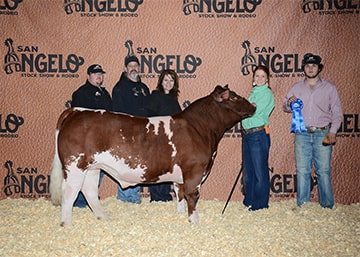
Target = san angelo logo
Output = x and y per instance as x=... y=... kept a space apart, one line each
x=350 y=127
x=331 y=7
x=9 y=7
x=152 y=62
x=24 y=182
x=28 y=61
x=281 y=65
x=221 y=8
x=101 y=8
x=9 y=125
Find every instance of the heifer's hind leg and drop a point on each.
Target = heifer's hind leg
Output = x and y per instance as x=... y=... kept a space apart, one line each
x=91 y=192
x=70 y=190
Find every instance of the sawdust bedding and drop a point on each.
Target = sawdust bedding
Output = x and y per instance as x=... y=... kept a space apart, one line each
x=31 y=228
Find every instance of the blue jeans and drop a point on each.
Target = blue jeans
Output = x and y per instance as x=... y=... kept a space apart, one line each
x=309 y=150
x=255 y=150
x=80 y=200
x=130 y=194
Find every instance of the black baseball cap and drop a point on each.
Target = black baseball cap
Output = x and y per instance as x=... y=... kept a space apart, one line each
x=95 y=68
x=131 y=58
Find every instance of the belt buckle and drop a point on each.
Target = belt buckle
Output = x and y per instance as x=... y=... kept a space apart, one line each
x=311 y=129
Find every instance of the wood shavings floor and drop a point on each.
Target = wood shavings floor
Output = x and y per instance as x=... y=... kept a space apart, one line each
x=31 y=228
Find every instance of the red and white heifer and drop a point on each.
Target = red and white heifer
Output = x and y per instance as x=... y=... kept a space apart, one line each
x=180 y=148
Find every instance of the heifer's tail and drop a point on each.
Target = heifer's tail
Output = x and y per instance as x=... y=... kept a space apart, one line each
x=56 y=177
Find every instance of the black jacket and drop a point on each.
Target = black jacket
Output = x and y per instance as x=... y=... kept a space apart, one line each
x=161 y=104
x=92 y=97
x=130 y=97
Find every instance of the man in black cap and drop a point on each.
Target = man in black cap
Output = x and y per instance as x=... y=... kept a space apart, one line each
x=130 y=96
x=322 y=115
x=92 y=95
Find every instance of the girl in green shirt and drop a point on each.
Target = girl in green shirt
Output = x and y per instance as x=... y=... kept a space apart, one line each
x=256 y=142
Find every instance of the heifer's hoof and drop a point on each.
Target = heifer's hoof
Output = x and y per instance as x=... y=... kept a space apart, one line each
x=101 y=216
x=194 y=217
x=64 y=224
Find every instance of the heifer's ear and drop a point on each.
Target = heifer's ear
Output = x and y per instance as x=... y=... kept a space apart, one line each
x=221 y=93
x=218 y=89
x=217 y=93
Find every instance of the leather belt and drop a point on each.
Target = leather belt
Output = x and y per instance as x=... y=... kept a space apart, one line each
x=252 y=130
x=313 y=129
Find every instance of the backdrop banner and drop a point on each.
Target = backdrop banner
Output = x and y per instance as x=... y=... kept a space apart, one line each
x=48 y=45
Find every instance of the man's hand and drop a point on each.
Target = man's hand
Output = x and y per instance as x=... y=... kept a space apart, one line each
x=330 y=139
x=290 y=100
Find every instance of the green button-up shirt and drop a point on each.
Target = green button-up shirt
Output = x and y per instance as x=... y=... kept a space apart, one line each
x=263 y=97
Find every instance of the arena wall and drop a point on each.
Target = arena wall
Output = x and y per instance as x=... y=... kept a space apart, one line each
x=48 y=45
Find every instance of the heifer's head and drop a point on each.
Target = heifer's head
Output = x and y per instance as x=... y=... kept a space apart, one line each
x=233 y=102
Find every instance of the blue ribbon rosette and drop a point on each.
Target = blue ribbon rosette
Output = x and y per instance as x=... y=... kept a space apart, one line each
x=297 y=121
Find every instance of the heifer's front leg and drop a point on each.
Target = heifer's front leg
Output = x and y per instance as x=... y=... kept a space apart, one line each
x=192 y=195
x=70 y=190
x=91 y=192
